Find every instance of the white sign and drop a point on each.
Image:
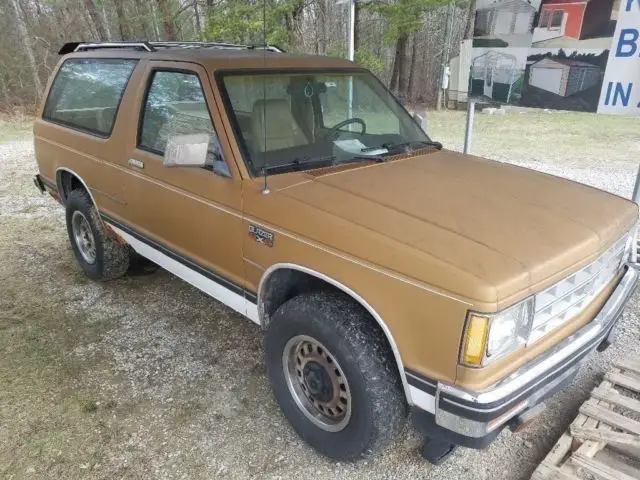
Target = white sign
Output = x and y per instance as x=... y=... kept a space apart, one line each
x=620 y=93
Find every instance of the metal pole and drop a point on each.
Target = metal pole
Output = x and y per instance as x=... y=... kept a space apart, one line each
x=351 y=53
x=636 y=189
x=471 y=110
x=352 y=27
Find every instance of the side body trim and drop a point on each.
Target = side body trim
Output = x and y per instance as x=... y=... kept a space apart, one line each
x=394 y=347
x=234 y=300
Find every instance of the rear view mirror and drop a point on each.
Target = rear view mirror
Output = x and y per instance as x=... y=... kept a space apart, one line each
x=186 y=150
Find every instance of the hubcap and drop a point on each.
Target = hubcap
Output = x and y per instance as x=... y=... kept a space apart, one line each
x=317 y=383
x=83 y=237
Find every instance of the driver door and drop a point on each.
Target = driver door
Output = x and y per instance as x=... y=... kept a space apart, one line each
x=190 y=217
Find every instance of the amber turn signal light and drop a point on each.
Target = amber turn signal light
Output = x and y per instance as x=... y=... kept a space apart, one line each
x=475 y=340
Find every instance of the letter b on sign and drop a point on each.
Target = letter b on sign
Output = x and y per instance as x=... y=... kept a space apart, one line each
x=627 y=43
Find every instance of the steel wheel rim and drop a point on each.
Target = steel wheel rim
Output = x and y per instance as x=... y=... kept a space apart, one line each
x=83 y=237
x=317 y=383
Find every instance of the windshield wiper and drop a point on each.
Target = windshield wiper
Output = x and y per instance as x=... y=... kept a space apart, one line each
x=297 y=163
x=395 y=146
x=362 y=158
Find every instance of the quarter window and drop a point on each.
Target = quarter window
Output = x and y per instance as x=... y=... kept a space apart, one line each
x=175 y=105
x=86 y=93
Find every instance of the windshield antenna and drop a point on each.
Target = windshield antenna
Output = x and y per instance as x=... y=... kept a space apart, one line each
x=265 y=188
x=265 y=170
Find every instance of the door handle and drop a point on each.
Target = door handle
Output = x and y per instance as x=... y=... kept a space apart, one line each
x=135 y=163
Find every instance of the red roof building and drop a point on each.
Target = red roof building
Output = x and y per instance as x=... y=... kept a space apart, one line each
x=576 y=19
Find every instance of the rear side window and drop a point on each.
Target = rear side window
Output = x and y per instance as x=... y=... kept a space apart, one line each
x=86 y=93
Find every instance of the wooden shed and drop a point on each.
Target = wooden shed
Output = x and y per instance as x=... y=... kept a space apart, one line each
x=576 y=19
x=563 y=76
x=504 y=17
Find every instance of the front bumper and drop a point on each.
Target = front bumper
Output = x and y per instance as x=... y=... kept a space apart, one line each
x=474 y=419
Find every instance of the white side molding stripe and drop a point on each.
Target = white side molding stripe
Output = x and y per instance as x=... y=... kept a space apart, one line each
x=208 y=286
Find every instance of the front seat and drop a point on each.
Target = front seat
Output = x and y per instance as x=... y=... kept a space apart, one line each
x=273 y=126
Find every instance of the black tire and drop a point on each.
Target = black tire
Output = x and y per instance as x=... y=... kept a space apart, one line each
x=111 y=259
x=378 y=406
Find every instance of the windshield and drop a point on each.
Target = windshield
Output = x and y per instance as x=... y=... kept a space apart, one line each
x=295 y=121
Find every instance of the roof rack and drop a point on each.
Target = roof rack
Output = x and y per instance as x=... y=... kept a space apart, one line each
x=71 y=47
x=233 y=46
x=83 y=47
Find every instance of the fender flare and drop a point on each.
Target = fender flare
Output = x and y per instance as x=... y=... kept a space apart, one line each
x=84 y=184
x=340 y=286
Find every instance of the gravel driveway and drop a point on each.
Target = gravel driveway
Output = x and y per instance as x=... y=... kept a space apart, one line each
x=146 y=377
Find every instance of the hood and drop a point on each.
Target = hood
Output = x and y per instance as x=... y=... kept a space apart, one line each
x=478 y=228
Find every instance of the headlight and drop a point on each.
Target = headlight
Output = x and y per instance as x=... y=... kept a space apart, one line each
x=491 y=336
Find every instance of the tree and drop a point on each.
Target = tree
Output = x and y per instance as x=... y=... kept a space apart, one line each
x=253 y=22
x=167 y=20
x=403 y=17
x=471 y=20
x=96 y=19
x=25 y=40
x=123 y=24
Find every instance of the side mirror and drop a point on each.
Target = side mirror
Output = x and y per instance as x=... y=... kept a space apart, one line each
x=419 y=119
x=186 y=150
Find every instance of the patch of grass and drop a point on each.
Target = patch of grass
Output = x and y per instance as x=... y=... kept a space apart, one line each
x=536 y=135
x=44 y=406
x=489 y=42
x=16 y=130
x=87 y=405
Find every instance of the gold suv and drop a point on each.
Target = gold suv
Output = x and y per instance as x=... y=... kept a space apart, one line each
x=389 y=274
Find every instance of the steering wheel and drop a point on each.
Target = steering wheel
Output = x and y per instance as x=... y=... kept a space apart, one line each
x=334 y=131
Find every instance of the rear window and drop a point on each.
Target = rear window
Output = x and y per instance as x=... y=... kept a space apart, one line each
x=86 y=93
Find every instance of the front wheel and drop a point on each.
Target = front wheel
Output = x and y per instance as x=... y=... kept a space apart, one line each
x=334 y=375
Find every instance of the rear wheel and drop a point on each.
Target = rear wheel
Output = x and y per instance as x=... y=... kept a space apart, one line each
x=99 y=255
x=334 y=375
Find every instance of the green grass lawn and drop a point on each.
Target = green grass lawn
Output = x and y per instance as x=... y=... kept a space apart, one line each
x=567 y=138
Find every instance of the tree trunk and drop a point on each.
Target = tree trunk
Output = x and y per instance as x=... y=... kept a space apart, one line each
x=25 y=41
x=196 y=16
x=5 y=92
x=399 y=80
x=292 y=21
x=96 y=19
x=445 y=55
x=471 y=20
x=412 y=66
x=125 y=32
x=154 y=20
x=106 y=22
x=168 y=24
x=142 y=15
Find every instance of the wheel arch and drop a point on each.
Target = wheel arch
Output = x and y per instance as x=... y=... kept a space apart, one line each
x=67 y=180
x=265 y=288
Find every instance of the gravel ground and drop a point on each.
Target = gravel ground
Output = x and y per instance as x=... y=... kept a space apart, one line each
x=146 y=377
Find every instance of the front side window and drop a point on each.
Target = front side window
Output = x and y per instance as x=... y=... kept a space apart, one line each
x=175 y=105
x=295 y=121
x=86 y=93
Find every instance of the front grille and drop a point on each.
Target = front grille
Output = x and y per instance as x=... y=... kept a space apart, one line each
x=561 y=302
